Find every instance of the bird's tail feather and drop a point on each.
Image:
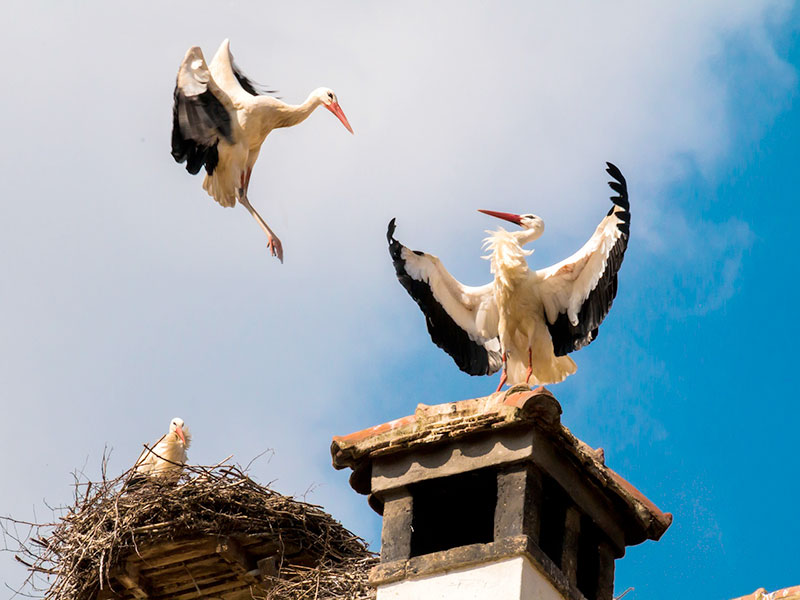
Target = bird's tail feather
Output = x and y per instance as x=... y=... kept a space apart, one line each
x=219 y=188
x=545 y=372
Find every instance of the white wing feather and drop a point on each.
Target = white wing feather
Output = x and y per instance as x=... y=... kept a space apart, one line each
x=472 y=308
x=567 y=284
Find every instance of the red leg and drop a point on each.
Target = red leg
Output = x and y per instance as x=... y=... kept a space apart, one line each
x=244 y=181
x=530 y=367
x=273 y=243
x=503 y=376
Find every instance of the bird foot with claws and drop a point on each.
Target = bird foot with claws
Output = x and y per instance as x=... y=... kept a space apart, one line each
x=276 y=248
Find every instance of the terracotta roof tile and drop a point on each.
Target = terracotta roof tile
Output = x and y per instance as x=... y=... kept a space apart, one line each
x=449 y=420
x=790 y=593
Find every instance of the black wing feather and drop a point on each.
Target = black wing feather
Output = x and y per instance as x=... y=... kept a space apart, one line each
x=568 y=337
x=193 y=117
x=250 y=86
x=199 y=118
x=470 y=356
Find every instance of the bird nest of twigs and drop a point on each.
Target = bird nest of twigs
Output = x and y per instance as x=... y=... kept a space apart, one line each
x=215 y=533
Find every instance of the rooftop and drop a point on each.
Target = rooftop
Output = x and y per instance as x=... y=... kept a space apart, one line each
x=790 y=593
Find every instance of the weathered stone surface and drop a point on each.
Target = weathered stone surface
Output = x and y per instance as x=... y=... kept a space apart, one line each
x=569 y=552
x=605 y=576
x=444 y=459
x=396 y=532
x=519 y=491
x=790 y=593
x=430 y=424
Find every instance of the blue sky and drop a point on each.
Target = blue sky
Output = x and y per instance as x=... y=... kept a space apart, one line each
x=128 y=297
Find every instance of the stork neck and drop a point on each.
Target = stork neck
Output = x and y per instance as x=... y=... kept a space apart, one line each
x=289 y=115
x=507 y=258
x=526 y=236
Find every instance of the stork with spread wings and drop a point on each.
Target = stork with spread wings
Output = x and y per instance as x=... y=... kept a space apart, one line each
x=524 y=322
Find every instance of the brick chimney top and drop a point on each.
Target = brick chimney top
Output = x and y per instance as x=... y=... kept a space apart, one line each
x=494 y=483
x=516 y=408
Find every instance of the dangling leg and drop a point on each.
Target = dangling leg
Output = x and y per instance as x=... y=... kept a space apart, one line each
x=530 y=366
x=503 y=376
x=273 y=243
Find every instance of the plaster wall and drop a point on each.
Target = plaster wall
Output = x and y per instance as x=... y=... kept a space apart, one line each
x=508 y=579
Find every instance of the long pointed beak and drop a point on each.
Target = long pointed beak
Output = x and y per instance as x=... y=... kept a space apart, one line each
x=179 y=431
x=501 y=215
x=337 y=110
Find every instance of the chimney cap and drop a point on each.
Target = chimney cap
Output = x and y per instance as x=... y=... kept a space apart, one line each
x=519 y=407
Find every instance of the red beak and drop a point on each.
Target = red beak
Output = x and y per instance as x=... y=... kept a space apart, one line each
x=179 y=431
x=337 y=110
x=501 y=215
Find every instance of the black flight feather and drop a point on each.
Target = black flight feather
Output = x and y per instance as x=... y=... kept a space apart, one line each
x=568 y=337
x=250 y=86
x=198 y=122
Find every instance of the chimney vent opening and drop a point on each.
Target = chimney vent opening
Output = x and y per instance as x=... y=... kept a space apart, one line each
x=588 y=560
x=554 y=512
x=453 y=511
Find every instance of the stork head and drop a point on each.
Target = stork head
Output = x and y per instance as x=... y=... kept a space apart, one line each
x=176 y=426
x=328 y=99
x=532 y=225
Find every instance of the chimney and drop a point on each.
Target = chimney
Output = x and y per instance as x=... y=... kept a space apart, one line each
x=494 y=498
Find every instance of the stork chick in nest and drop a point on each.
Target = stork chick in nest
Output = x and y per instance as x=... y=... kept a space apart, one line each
x=166 y=459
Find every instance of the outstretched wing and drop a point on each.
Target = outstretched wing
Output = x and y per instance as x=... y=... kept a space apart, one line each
x=461 y=320
x=577 y=292
x=199 y=116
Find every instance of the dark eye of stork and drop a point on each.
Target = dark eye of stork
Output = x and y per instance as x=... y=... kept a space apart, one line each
x=330 y=95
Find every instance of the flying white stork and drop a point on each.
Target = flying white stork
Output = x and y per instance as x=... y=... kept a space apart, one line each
x=220 y=118
x=166 y=459
x=525 y=322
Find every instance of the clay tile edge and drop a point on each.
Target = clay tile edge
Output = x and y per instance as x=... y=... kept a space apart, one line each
x=790 y=593
x=516 y=405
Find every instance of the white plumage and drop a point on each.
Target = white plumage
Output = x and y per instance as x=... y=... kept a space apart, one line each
x=165 y=460
x=524 y=321
x=220 y=120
